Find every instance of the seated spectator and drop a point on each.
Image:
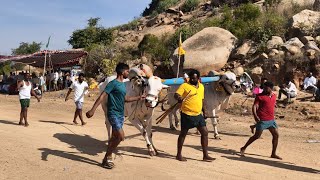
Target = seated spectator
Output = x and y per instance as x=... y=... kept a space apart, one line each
x=317 y=94
x=288 y=89
x=310 y=84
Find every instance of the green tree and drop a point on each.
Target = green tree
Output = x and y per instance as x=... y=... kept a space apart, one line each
x=27 y=48
x=92 y=34
x=5 y=68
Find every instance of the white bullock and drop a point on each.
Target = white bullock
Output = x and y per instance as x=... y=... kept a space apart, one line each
x=217 y=95
x=140 y=112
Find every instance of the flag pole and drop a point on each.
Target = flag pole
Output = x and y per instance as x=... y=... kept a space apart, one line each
x=179 y=56
x=45 y=56
x=45 y=62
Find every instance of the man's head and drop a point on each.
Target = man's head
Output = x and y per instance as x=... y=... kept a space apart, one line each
x=310 y=74
x=26 y=76
x=81 y=77
x=194 y=76
x=122 y=69
x=287 y=80
x=263 y=80
x=267 y=87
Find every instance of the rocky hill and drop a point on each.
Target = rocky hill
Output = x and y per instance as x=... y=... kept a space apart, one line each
x=279 y=40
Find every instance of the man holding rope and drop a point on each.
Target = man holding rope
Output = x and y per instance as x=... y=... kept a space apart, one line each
x=116 y=93
x=191 y=95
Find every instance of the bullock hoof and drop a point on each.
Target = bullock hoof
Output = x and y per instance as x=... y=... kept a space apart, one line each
x=150 y=150
x=217 y=137
x=177 y=124
x=172 y=128
x=156 y=152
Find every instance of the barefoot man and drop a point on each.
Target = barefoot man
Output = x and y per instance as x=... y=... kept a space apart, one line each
x=80 y=87
x=25 y=88
x=116 y=93
x=191 y=95
x=263 y=112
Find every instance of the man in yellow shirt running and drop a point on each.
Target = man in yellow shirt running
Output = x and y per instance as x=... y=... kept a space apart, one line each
x=191 y=95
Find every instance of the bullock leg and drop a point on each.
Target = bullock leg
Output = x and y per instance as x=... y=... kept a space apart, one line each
x=176 y=119
x=214 y=122
x=177 y=123
x=170 y=121
x=144 y=133
x=149 y=132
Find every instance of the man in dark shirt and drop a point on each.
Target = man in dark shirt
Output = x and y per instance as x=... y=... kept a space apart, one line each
x=263 y=112
x=116 y=93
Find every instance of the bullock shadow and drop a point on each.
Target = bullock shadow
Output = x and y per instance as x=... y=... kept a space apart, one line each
x=9 y=122
x=140 y=152
x=64 y=154
x=84 y=144
x=278 y=164
x=165 y=130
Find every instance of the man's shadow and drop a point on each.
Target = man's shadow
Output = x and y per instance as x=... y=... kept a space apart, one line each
x=278 y=164
x=83 y=143
x=8 y=122
x=64 y=154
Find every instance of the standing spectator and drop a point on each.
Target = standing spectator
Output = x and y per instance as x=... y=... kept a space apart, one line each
x=25 y=91
x=42 y=83
x=80 y=87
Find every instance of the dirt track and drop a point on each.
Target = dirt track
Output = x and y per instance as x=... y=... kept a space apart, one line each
x=53 y=148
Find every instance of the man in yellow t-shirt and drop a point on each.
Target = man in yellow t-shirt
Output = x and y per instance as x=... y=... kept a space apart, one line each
x=191 y=95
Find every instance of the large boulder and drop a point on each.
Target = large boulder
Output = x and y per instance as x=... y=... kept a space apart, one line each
x=305 y=23
x=293 y=46
x=207 y=50
x=274 y=42
x=243 y=50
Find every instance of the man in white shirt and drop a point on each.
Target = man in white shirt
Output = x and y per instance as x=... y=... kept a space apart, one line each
x=80 y=89
x=288 y=89
x=310 y=83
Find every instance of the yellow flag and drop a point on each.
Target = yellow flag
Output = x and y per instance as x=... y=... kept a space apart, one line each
x=181 y=51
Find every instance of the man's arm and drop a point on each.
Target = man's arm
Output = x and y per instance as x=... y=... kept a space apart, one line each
x=66 y=99
x=19 y=84
x=178 y=97
x=254 y=111
x=90 y=113
x=204 y=110
x=34 y=94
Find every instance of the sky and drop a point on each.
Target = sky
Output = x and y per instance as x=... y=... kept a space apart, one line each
x=36 y=20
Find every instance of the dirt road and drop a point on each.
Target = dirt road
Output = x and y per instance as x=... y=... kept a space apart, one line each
x=52 y=148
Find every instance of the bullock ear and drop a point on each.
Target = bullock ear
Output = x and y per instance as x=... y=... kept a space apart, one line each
x=165 y=86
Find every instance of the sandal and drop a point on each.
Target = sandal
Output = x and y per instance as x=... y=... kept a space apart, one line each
x=108 y=164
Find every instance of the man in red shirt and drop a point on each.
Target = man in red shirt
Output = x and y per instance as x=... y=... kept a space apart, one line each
x=263 y=112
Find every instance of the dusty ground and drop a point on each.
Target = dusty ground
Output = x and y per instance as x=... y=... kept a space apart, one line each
x=53 y=148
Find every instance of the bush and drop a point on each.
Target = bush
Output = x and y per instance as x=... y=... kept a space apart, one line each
x=190 y=5
x=158 y=6
x=155 y=47
x=133 y=25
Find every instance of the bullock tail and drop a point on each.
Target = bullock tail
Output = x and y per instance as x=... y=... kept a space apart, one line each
x=162 y=106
